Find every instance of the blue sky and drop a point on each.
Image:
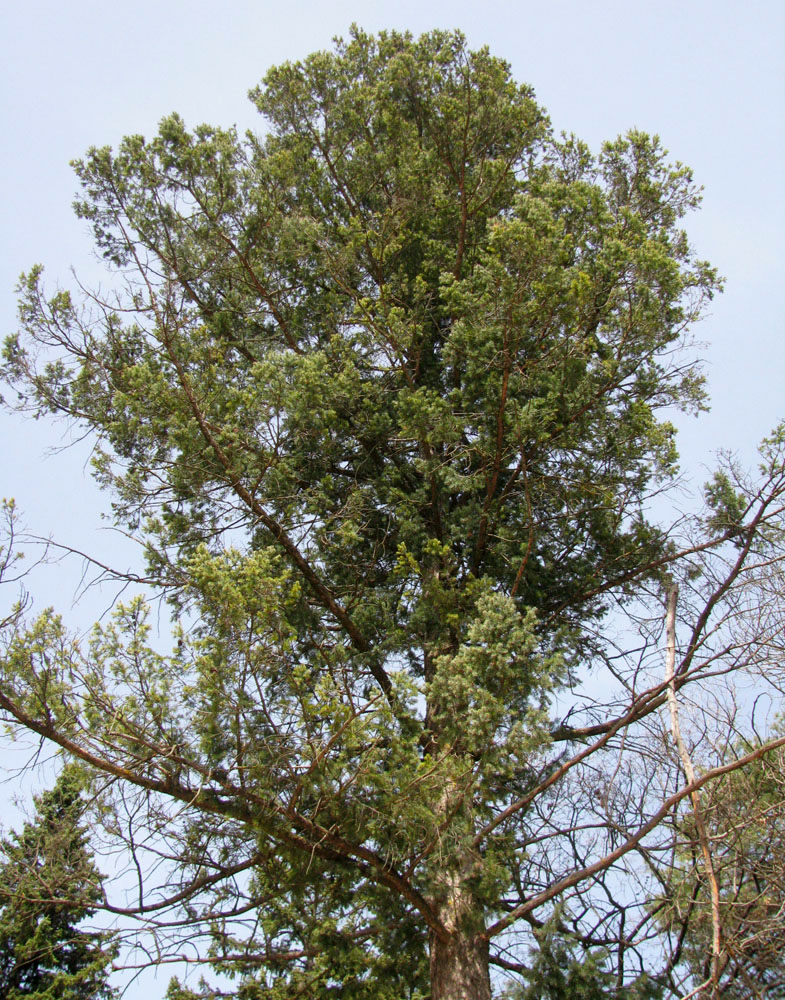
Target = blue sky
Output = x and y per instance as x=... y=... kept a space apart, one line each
x=708 y=77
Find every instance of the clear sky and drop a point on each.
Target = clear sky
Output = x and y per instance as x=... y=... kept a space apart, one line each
x=707 y=75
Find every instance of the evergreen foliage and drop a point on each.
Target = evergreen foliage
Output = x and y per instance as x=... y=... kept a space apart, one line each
x=48 y=886
x=561 y=969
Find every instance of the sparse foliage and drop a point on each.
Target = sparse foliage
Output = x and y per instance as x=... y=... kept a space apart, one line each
x=746 y=813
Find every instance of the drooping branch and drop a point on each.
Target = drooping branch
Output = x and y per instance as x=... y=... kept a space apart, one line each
x=280 y=822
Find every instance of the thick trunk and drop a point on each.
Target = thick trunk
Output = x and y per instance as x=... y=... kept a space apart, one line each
x=459 y=956
x=459 y=968
x=459 y=952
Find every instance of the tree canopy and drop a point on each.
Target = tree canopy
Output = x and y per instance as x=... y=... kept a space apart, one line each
x=385 y=393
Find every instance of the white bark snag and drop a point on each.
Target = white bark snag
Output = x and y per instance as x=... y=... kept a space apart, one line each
x=689 y=774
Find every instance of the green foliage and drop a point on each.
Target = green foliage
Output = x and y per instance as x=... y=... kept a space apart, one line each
x=727 y=504
x=405 y=319
x=562 y=970
x=383 y=403
x=48 y=886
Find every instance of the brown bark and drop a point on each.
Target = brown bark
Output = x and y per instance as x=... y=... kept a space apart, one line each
x=459 y=946
x=459 y=967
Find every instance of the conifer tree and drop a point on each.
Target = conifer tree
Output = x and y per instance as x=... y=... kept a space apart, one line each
x=49 y=885
x=385 y=395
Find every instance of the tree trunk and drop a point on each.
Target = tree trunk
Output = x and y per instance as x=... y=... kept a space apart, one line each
x=459 y=955
x=459 y=968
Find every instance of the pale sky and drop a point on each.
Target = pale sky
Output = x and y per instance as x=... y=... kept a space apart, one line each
x=707 y=75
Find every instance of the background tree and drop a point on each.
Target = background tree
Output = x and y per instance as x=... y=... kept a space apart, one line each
x=49 y=885
x=381 y=393
x=561 y=969
x=746 y=819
